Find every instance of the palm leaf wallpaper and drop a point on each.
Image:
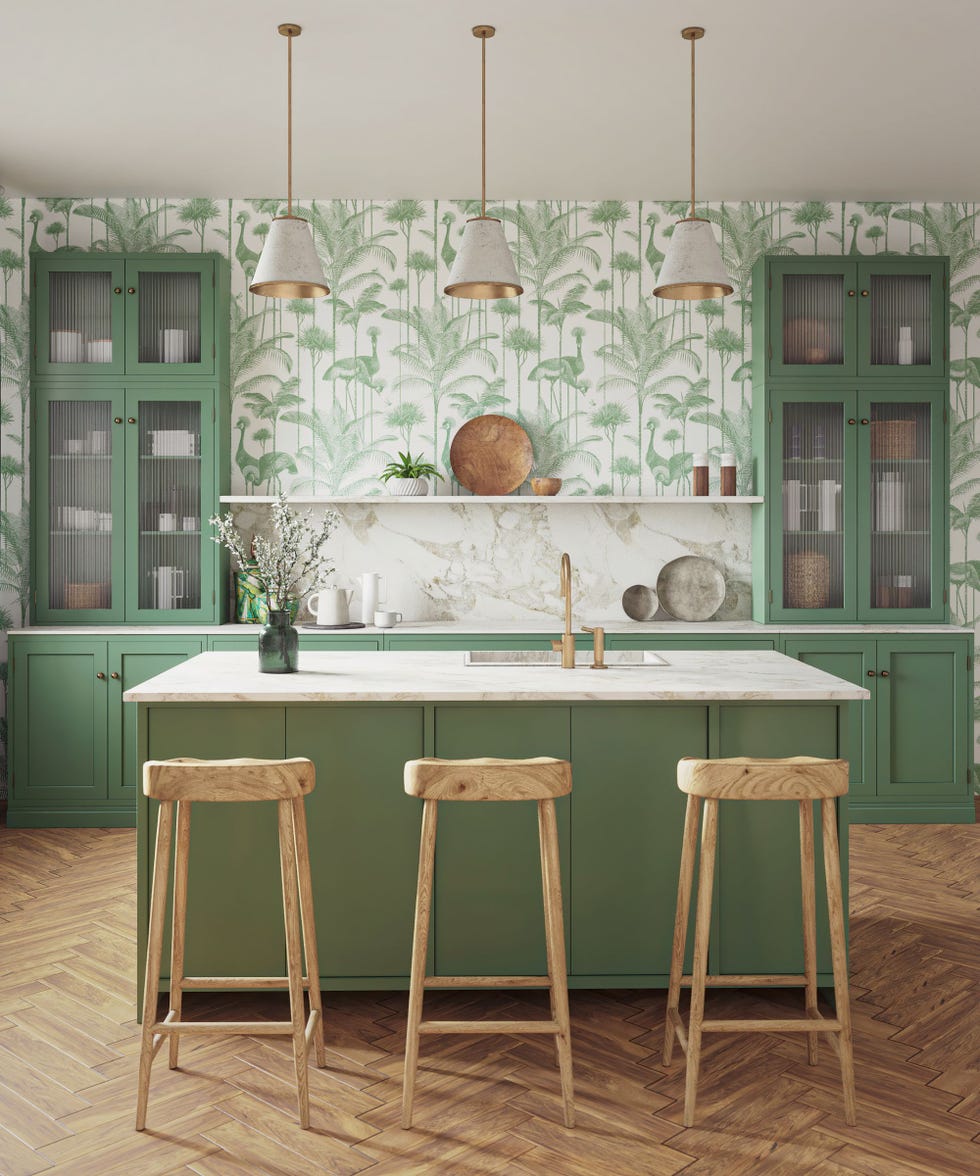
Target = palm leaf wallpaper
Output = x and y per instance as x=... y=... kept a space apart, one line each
x=616 y=388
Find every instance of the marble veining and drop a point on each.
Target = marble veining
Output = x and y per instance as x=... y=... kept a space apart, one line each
x=704 y=675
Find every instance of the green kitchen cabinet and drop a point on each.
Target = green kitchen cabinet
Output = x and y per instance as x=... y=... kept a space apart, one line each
x=908 y=745
x=855 y=523
x=109 y=314
x=693 y=641
x=826 y=317
x=72 y=738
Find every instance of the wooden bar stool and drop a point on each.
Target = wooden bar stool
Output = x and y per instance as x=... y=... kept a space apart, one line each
x=802 y=779
x=184 y=782
x=542 y=780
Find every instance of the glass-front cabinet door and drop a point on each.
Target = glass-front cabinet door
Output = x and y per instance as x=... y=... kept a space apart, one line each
x=813 y=517
x=900 y=464
x=812 y=323
x=168 y=470
x=80 y=496
x=80 y=316
x=901 y=317
x=170 y=316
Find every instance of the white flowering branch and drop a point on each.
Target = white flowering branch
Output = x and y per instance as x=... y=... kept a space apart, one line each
x=292 y=561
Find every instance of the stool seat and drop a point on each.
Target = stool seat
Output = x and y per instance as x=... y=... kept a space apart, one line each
x=178 y=784
x=227 y=780
x=542 y=778
x=806 y=781
x=799 y=777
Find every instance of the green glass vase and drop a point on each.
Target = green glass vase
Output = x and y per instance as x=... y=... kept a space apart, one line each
x=278 y=644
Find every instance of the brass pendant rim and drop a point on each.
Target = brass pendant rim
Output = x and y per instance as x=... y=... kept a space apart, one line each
x=483 y=291
x=495 y=219
x=289 y=29
x=484 y=32
x=290 y=216
x=692 y=33
x=693 y=291
x=289 y=289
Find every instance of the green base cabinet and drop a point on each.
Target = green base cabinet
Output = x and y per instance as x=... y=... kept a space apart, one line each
x=909 y=745
x=73 y=739
x=620 y=837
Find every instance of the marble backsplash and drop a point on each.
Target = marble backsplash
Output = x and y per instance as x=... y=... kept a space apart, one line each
x=445 y=561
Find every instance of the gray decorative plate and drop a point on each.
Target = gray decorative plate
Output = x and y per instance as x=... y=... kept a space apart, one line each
x=640 y=603
x=691 y=588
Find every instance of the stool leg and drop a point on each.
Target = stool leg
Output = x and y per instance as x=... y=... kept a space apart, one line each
x=154 y=950
x=420 y=945
x=808 y=880
x=308 y=922
x=178 y=924
x=684 y=885
x=702 y=928
x=554 y=926
x=294 y=959
x=838 y=952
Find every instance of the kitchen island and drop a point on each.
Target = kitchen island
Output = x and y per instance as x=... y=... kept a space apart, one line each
x=360 y=717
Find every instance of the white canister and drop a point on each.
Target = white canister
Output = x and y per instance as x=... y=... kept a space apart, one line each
x=167 y=522
x=890 y=503
x=173 y=345
x=372 y=594
x=905 y=346
x=794 y=503
x=827 y=492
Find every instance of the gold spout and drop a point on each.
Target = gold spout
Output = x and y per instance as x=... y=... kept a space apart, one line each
x=567 y=643
x=598 y=646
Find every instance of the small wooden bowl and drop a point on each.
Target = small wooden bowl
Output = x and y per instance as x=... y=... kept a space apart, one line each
x=545 y=487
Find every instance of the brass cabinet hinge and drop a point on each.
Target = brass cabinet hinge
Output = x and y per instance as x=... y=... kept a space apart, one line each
x=212 y=351
x=770 y=416
x=770 y=596
x=945 y=596
x=212 y=596
x=770 y=281
x=944 y=351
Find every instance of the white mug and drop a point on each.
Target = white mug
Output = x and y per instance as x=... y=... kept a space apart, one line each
x=331 y=606
x=188 y=523
x=169 y=586
x=167 y=522
x=386 y=620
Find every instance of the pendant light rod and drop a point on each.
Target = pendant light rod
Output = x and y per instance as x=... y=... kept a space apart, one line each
x=484 y=32
x=289 y=31
x=692 y=34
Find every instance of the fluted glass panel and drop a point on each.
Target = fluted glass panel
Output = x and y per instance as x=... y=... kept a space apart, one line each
x=812 y=506
x=170 y=505
x=79 y=494
x=901 y=481
x=813 y=318
x=169 y=318
x=80 y=317
x=901 y=319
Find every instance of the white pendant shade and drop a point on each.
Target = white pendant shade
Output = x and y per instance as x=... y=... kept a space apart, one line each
x=289 y=266
x=484 y=267
x=693 y=267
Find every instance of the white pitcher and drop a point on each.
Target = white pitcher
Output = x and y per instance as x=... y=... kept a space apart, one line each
x=331 y=606
x=372 y=595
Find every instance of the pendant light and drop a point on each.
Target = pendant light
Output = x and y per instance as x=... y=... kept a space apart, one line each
x=484 y=267
x=693 y=268
x=289 y=266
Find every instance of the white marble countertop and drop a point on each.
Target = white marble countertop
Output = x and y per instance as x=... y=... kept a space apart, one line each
x=442 y=677
x=617 y=625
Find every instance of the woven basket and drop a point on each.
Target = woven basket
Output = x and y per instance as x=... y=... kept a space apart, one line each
x=807 y=580
x=893 y=440
x=84 y=595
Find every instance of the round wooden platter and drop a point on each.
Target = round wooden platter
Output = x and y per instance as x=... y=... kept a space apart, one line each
x=491 y=454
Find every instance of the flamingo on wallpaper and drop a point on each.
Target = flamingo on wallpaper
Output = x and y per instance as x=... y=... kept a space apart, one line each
x=247 y=462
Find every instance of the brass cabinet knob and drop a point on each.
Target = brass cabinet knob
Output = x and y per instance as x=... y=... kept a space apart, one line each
x=871 y=673
x=132 y=420
x=864 y=293
x=117 y=420
x=100 y=676
x=850 y=293
x=114 y=676
x=851 y=421
x=864 y=420
x=117 y=289
x=131 y=290
x=884 y=673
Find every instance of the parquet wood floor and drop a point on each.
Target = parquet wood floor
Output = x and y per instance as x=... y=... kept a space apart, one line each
x=68 y=1051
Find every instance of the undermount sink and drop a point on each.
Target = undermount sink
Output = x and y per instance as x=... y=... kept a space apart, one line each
x=547 y=657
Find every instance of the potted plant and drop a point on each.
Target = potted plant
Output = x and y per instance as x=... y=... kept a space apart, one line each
x=286 y=565
x=407 y=476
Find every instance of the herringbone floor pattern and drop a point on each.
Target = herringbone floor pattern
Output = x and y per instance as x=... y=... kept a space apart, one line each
x=68 y=1049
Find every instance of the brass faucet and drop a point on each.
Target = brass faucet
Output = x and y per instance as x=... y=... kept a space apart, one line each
x=567 y=643
x=598 y=646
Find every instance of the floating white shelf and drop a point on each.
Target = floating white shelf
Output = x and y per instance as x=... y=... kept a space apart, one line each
x=499 y=499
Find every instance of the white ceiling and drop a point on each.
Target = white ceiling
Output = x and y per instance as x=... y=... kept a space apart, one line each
x=864 y=99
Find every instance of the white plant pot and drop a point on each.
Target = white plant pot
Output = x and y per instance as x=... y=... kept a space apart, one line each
x=407 y=487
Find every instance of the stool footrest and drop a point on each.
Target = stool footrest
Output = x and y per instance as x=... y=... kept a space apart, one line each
x=810 y=1025
x=748 y=981
x=489 y=1027
x=254 y=1028
x=191 y=982
x=487 y=982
